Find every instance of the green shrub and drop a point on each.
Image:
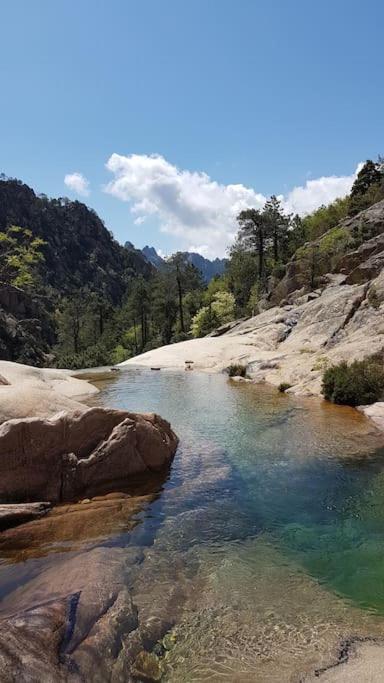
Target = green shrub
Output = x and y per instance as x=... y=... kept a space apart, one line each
x=284 y=386
x=237 y=370
x=118 y=354
x=92 y=357
x=373 y=298
x=333 y=241
x=360 y=383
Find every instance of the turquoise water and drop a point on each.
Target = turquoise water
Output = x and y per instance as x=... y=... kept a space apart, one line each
x=257 y=555
x=308 y=474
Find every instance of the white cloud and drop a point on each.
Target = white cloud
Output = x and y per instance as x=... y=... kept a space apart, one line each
x=196 y=209
x=314 y=193
x=77 y=183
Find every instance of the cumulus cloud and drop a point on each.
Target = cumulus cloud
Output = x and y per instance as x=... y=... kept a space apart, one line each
x=314 y=193
x=77 y=183
x=198 y=211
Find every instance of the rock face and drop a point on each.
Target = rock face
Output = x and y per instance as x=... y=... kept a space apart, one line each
x=26 y=330
x=79 y=453
x=319 y=257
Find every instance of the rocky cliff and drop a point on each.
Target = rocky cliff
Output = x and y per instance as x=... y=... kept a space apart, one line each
x=79 y=249
x=356 y=243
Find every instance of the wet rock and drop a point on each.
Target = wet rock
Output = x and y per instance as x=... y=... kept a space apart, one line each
x=147 y=666
x=93 y=615
x=80 y=453
x=30 y=645
x=74 y=526
x=13 y=514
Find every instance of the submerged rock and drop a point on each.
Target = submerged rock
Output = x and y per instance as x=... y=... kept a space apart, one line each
x=147 y=666
x=80 y=453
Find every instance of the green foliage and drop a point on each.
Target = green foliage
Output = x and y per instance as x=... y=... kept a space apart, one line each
x=374 y=194
x=20 y=255
x=368 y=187
x=203 y=322
x=253 y=301
x=237 y=370
x=242 y=275
x=220 y=311
x=119 y=354
x=323 y=219
x=333 y=241
x=360 y=383
x=223 y=306
x=277 y=224
x=284 y=386
x=369 y=175
x=94 y=356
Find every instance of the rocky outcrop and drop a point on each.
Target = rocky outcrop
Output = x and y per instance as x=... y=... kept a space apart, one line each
x=34 y=392
x=26 y=327
x=14 y=514
x=354 y=248
x=80 y=453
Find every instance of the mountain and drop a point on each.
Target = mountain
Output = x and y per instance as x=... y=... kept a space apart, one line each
x=79 y=250
x=153 y=257
x=207 y=268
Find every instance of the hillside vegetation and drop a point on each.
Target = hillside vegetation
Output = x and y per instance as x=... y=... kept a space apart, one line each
x=71 y=296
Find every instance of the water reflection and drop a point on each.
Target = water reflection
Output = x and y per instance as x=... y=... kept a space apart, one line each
x=260 y=546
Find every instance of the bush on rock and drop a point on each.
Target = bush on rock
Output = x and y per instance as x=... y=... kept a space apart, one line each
x=237 y=370
x=360 y=383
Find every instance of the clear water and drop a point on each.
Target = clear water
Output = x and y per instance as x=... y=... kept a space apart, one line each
x=309 y=474
x=270 y=523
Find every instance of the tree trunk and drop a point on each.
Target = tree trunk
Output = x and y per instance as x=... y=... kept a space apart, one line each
x=180 y=293
x=142 y=329
x=101 y=320
x=275 y=246
x=76 y=330
x=261 y=254
x=135 y=333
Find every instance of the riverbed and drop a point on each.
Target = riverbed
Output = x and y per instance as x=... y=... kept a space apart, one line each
x=260 y=552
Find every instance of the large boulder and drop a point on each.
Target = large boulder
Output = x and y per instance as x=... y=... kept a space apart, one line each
x=80 y=453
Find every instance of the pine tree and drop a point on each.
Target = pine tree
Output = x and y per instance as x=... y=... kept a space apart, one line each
x=252 y=236
x=278 y=225
x=368 y=176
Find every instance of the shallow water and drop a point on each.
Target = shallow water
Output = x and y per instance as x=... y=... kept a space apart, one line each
x=269 y=524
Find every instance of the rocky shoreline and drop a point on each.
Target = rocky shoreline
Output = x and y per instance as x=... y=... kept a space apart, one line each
x=56 y=450
x=292 y=343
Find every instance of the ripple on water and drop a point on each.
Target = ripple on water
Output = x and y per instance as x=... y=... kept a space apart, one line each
x=259 y=552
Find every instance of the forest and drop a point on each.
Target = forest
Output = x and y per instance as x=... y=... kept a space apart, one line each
x=97 y=302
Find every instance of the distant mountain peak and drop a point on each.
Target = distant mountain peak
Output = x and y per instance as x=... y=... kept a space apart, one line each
x=207 y=268
x=152 y=256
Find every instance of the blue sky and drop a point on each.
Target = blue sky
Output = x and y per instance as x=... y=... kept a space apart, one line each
x=239 y=100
